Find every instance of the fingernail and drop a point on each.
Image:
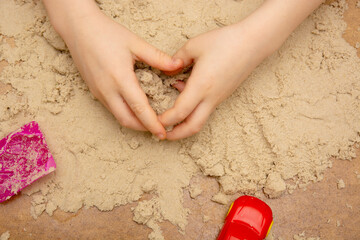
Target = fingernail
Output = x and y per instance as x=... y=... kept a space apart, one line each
x=160 y=136
x=176 y=61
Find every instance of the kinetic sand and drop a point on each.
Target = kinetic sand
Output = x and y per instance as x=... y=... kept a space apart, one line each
x=275 y=133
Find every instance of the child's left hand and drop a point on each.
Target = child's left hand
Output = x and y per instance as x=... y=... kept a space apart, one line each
x=223 y=59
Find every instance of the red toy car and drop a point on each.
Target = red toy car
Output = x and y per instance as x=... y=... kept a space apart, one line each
x=248 y=218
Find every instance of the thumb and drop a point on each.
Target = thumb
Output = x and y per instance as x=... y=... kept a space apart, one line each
x=156 y=58
x=186 y=56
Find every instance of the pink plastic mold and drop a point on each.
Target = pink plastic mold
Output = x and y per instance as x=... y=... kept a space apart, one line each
x=24 y=158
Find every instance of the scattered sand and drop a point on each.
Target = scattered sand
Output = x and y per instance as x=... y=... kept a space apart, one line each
x=274 y=186
x=206 y=219
x=338 y=223
x=195 y=191
x=278 y=130
x=5 y=236
x=340 y=184
x=302 y=236
x=220 y=198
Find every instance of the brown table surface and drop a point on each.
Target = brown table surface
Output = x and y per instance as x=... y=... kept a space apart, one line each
x=320 y=210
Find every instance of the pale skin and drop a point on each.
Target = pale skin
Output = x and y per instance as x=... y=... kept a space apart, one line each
x=104 y=53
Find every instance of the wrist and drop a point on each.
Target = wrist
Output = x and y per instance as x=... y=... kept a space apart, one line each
x=248 y=41
x=271 y=24
x=65 y=14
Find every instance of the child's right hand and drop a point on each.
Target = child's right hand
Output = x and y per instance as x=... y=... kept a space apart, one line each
x=104 y=53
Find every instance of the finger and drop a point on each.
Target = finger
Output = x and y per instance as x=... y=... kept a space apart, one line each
x=186 y=55
x=179 y=85
x=123 y=113
x=155 y=57
x=139 y=104
x=192 y=124
x=186 y=102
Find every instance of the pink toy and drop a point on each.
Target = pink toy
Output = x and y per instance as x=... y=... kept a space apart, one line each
x=24 y=158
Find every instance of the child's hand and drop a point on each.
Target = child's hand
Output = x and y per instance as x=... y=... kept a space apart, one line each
x=223 y=59
x=104 y=53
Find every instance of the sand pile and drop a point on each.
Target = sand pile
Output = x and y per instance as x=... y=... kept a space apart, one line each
x=5 y=235
x=275 y=133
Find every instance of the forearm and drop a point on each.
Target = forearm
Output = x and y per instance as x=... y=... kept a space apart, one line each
x=275 y=20
x=65 y=13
